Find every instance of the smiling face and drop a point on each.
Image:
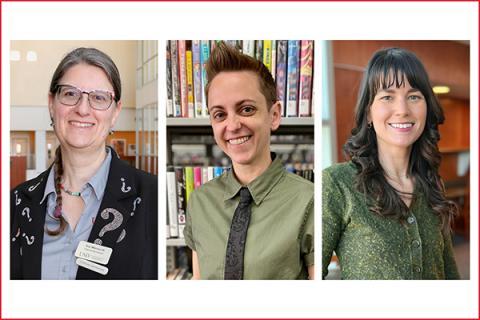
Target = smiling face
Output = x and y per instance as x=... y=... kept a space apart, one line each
x=241 y=119
x=398 y=116
x=80 y=126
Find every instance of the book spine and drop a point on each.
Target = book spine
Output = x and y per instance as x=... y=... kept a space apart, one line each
x=182 y=71
x=248 y=48
x=267 y=54
x=197 y=177
x=281 y=74
x=258 y=50
x=210 y=173
x=274 y=59
x=205 y=54
x=177 y=101
x=217 y=171
x=172 y=204
x=204 y=175
x=306 y=76
x=188 y=55
x=292 y=77
x=169 y=81
x=181 y=201
x=197 y=78
x=188 y=182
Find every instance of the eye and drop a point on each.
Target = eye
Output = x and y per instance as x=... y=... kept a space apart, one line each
x=248 y=110
x=218 y=116
x=386 y=98
x=69 y=93
x=415 y=97
x=99 y=96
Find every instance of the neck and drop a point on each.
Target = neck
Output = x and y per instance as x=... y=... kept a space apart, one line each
x=246 y=173
x=395 y=162
x=79 y=166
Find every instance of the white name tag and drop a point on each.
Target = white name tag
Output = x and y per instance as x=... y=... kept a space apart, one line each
x=93 y=252
x=92 y=266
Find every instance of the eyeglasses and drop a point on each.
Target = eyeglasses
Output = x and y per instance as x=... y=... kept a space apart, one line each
x=98 y=99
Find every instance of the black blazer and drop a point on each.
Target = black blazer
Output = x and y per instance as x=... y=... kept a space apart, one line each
x=131 y=192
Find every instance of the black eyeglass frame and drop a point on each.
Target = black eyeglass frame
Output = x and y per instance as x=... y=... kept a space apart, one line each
x=112 y=96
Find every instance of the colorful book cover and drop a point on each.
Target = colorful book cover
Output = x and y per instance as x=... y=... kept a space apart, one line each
x=281 y=74
x=259 y=50
x=197 y=177
x=182 y=66
x=197 y=78
x=293 y=64
x=181 y=201
x=267 y=54
x=306 y=77
x=274 y=59
x=217 y=171
x=204 y=175
x=177 y=101
x=188 y=182
x=169 y=82
x=204 y=55
x=210 y=173
x=248 y=48
x=188 y=56
x=172 y=204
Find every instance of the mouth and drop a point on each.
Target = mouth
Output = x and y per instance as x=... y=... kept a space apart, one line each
x=404 y=125
x=238 y=141
x=80 y=124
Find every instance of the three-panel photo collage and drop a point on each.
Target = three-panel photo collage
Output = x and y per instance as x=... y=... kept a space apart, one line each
x=233 y=158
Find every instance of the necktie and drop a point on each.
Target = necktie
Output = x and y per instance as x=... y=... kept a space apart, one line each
x=237 y=237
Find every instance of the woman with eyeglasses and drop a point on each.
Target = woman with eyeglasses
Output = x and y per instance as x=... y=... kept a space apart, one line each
x=90 y=215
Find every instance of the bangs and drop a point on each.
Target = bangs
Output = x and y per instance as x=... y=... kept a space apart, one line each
x=395 y=69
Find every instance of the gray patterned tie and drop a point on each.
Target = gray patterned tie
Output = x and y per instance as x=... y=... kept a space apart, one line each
x=237 y=237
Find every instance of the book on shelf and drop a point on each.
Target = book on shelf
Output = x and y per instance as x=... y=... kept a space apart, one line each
x=178 y=265
x=181 y=181
x=293 y=56
x=306 y=75
x=290 y=62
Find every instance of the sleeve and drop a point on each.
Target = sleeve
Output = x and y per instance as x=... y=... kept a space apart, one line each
x=15 y=245
x=187 y=231
x=332 y=221
x=308 y=243
x=450 y=266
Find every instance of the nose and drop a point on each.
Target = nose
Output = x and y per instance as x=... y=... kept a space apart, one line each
x=401 y=107
x=233 y=123
x=83 y=106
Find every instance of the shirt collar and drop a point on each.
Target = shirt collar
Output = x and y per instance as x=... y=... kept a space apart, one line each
x=98 y=182
x=261 y=186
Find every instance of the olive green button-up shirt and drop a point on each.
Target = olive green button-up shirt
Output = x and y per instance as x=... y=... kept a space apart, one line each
x=280 y=241
x=369 y=246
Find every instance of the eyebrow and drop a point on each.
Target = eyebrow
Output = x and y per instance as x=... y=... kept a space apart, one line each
x=238 y=103
x=393 y=90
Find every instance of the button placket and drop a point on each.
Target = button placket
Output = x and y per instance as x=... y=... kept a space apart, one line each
x=415 y=246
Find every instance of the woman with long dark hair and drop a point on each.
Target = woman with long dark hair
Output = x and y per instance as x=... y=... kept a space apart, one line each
x=384 y=212
x=90 y=215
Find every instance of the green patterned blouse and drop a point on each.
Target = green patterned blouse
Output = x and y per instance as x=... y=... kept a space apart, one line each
x=369 y=246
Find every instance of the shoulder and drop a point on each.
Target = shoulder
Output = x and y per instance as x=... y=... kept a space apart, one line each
x=141 y=177
x=216 y=186
x=342 y=171
x=32 y=185
x=299 y=184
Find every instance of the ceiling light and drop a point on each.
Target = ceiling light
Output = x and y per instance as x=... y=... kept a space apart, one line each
x=14 y=55
x=31 y=56
x=441 y=89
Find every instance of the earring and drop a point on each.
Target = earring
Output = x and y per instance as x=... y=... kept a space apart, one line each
x=369 y=125
x=111 y=131
x=52 y=124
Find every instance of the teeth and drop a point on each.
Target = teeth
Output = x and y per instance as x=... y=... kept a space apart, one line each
x=401 y=125
x=81 y=124
x=239 y=140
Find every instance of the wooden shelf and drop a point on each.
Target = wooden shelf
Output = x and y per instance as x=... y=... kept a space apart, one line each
x=176 y=242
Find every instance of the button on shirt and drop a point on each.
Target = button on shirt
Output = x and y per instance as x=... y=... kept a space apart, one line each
x=280 y=241
x=58 y=253
x=369 y=246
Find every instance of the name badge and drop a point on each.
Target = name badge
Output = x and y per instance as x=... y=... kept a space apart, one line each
x=93 y=252
x=92 y=266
